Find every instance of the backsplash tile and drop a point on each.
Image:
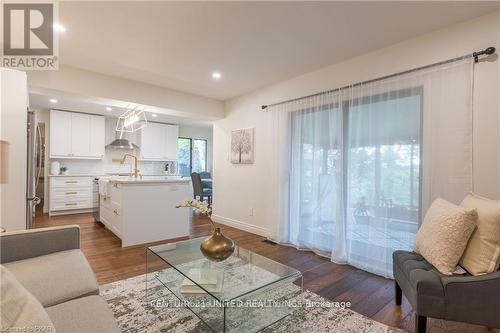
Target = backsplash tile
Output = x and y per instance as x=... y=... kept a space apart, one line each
x=110 y=164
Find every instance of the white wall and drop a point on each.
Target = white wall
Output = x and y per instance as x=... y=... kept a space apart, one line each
x=239 y=188
x=13 y=90
x=195 y=132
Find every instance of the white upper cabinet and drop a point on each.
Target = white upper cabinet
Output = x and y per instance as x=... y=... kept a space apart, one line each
x=158 y=142
x=97 y=136
x=76 y=135
x=171 y=141
x=80 y=134
x=60 y=134
x=147 y=139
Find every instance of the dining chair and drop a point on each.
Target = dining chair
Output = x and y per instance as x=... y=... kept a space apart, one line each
x=205 y=175
x=199 y=190
x=206 y=180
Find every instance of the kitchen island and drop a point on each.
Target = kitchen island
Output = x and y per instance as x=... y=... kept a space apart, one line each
x=143 y=210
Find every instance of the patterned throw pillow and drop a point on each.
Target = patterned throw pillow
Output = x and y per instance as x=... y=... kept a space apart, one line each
x=444 y=234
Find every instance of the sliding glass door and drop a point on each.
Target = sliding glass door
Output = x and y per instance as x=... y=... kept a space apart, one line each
x=383 y=177
x=354 y=182
x=315 y=170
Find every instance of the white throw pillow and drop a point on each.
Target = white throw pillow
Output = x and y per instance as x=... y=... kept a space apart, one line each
x=444 y=234
x=21 y=311
x=482 y=254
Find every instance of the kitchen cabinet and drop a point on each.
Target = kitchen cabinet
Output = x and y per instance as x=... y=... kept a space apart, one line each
x=68 y=194
x=60 y=133
x=143 y=211
x=110 y=209
x=158 y=142
x=97 y=136
x=80 y=134
x=76 y=135
x=171 y=141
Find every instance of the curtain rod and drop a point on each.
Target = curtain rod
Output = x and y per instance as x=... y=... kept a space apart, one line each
x=475 y=55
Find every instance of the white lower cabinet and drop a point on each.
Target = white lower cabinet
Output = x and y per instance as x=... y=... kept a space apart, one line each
x=70 y=193
x=144 y=211
x=110 y=209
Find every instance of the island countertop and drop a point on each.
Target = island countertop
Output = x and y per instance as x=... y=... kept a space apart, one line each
x=148 y=180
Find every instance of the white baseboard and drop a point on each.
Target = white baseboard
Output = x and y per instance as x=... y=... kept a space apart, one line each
x=69 y=212
x=241 y=225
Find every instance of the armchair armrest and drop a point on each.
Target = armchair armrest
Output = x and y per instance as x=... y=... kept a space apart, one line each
x=473 y=299
x=494 y=277
x=19 y=245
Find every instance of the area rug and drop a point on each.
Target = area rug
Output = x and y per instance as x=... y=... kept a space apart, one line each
x=134 y=313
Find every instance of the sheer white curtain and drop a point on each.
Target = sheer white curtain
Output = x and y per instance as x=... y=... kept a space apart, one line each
x=355 y=169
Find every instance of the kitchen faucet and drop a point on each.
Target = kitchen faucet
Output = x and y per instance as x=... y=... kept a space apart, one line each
x=136 y=170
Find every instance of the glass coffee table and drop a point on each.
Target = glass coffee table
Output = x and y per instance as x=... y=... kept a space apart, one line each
x=244 y=293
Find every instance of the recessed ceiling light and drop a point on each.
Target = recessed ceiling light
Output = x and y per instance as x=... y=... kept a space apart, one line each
x=58 y=27
x=154 y=115
x=108 y=108
x=216 y=75
x=53 y=100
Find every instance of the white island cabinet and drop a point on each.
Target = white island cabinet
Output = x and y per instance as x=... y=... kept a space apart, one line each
x=143 y=211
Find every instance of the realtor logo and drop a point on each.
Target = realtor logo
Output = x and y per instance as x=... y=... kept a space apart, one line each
x=28 y=36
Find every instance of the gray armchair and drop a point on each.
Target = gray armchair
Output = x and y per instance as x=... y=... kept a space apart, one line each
x=470 y=299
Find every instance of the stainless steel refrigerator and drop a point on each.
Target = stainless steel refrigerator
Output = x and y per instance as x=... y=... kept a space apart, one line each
x=19 y=164
x=34 y=167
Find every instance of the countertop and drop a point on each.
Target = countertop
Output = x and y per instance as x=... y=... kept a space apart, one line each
x=109 y=175
x=148 y=180
x=74 y=175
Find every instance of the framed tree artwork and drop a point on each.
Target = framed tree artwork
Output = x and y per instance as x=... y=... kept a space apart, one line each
x=242 y=146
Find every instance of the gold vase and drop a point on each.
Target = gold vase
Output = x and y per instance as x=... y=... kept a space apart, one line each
x=217 y=247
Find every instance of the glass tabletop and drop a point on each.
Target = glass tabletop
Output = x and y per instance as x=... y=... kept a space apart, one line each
x=242 y=273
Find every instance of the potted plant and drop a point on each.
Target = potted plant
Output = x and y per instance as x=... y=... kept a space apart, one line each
x=63 y=170
x=216 y=247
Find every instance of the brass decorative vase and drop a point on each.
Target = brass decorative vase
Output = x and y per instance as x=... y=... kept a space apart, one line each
x=217 y=247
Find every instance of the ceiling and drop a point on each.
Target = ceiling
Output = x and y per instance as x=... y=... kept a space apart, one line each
x=95 y=105
x=253 y=44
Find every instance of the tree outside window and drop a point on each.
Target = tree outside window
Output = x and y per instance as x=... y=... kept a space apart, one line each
x=191 y=156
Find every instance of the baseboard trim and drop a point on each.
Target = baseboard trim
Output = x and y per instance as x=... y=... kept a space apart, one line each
x=241 y=225
x=69 y=212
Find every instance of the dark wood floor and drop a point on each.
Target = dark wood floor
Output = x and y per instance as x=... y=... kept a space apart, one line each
x=371 y=295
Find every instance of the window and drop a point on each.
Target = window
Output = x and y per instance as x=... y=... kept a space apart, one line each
x=184 y=156
x=199 y=155
x=191 y=156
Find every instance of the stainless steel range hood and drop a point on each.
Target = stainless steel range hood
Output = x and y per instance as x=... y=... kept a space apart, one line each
x=121 y=143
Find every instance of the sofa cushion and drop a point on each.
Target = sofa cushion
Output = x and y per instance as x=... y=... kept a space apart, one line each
x=86 y=314
x=20 y=310
x=482 y=254
x=444 y=234
x=57 y=277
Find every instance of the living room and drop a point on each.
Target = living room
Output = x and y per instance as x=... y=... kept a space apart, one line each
x=343 y=158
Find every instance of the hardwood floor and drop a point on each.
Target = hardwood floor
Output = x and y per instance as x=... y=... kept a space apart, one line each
x=370 y=295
